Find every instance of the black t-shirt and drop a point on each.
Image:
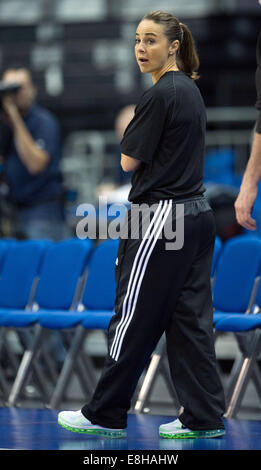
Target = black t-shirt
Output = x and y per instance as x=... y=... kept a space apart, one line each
x=258 y=83
x=167 y=134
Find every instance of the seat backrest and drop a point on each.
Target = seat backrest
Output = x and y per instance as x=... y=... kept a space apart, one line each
x=216 y=255
x=219 y=166
x=100 y=288
x=3 y=249
x=238 y=266
x=257 y=300
x=21 y=266
x=63 y=265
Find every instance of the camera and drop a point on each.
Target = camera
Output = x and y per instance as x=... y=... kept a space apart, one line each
x=5 y=129
x=7 y=88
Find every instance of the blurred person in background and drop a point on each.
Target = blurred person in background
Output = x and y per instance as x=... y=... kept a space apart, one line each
x=117 y=190
x=32 y=151
x=249 y=187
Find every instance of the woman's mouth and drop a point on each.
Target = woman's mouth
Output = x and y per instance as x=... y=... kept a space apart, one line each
x=142 y=60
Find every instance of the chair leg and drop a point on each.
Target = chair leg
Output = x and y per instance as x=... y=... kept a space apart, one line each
x=40 y=381
x=89 y=367
x=25 y=366
x=237 y=366
x=244 y=376
x=83 y=366
x=147 y=383
x=6 y=351
x=27 y=340
x=12 y=357
x=85 y=376
x=2 y=337
x=257 y=379
x=234 y=373
x=49 y=364
x=67 y=368
x=216 y=335
x=3 y=385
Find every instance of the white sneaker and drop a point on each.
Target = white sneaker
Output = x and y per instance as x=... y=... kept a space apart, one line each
x=75 y=421
x=176 y=430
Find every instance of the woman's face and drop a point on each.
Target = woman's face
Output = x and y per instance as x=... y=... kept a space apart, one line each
x=152 y=47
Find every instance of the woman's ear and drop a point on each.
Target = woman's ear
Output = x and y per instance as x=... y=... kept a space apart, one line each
x=174 y=47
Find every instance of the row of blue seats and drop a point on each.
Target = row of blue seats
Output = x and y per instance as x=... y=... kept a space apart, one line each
x=236 y=287
x=38 y=276
x=235 y=274
x=53 y=285
x=219 y=167
x=41 y=276
x=48 y=285
x=237 y=310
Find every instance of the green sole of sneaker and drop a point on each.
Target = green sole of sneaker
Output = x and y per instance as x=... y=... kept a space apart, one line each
x=95 y=432
x=194 y=434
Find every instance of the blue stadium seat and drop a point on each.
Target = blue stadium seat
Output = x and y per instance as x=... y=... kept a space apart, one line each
x=20 y=263
x=62 y=267
x=238 y=269
x=246 y=366
x=216 y=256
x=21 y=266
x=3 y=249
x=60 y=279
x=98 y=295
x=246 y=328
x=219 y=166
x=95 y=312
x=238 y=323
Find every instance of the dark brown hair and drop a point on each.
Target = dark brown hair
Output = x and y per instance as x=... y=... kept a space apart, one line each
x=187 y=57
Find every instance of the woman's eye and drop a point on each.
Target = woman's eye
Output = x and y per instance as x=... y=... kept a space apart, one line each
x=149 y=41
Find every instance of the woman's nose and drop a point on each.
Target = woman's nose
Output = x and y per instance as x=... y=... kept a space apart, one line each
x=141 y=47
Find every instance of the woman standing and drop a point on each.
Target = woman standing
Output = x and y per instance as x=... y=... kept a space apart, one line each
x=161 y=290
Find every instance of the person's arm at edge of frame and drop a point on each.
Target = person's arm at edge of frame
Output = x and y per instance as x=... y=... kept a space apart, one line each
x=33 y=157
x=249 y=186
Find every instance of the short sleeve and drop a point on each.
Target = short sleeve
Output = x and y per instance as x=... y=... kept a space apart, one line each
x=258 y=124
x=47 y=135
x=143 y=134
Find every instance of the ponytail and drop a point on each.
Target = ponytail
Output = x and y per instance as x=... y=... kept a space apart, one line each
x=186 y=57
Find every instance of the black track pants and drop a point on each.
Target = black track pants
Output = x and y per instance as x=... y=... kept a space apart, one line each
x=163 y=290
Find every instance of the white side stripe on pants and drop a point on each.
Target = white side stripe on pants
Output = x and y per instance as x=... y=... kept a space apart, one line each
x=137 y=275
x=126 y=299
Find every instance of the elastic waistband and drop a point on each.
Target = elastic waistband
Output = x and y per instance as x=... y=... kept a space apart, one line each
x=151 y=201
